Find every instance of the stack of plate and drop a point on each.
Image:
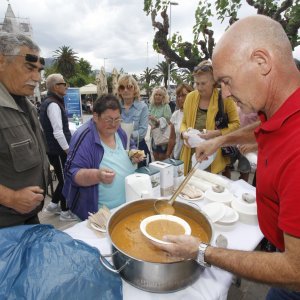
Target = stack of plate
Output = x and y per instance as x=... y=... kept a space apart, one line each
x=224 y=197
x=223 y=216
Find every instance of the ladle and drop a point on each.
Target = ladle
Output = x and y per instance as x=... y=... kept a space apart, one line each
x=166 y=206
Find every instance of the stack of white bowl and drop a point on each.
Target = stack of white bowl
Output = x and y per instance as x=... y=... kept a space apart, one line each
x=246 y=210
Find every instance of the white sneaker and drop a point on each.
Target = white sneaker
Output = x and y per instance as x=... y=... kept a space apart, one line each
x=52 y=208
x=68 y=216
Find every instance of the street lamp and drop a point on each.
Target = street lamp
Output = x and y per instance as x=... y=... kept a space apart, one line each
x=170 y=36
x=104 y=59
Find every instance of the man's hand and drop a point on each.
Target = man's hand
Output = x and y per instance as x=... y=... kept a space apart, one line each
x=27 y=199
x=106 y=175
x=183 y=246
x=207 y=148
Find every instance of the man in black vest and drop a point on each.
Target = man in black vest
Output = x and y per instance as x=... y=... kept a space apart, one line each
x=54 y=121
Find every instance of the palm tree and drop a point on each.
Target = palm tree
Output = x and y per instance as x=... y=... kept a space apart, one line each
x=148 y=78
x=65 y=60
x=163 y=71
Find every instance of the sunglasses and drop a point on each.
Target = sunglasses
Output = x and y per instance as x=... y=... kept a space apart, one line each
x=30 y=58
x=128 y=87
x=61 y=83
x=204 y=68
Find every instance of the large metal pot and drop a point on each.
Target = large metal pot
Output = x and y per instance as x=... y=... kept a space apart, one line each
x=155 y=277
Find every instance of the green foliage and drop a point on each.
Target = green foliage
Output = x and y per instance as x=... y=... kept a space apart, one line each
x=186 y=54
x=65 y=60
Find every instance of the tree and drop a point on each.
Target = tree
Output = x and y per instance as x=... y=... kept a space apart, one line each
x=65 y=60
x=83 y=74
x=163 y=72
x=189 y=54
x=148 y=78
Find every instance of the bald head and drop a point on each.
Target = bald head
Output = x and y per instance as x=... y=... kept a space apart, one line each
x=252 y=33
x=253 y=61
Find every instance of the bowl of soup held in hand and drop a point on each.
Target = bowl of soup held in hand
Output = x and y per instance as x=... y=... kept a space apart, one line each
x=156 y=227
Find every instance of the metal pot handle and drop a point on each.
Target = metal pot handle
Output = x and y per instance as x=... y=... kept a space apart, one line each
x=108 y=266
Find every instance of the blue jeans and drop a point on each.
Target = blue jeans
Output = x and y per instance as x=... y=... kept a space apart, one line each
x=282 y=294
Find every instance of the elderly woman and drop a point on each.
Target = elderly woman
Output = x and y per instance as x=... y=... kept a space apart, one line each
x=200 y=111
x=134 y=112
x=175 y=142
x=97 y=162
x=159 y=116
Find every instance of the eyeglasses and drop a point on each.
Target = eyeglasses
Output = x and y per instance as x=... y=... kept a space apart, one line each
x=128 y=87
x=61 y=83
x=111 y=121
x=203 y=68
x=30 y=58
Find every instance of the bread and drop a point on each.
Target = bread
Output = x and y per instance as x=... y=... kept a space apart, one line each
x=136 y=153
x=191 y=192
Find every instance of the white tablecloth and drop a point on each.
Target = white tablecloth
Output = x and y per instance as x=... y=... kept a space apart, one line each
x=213 y=283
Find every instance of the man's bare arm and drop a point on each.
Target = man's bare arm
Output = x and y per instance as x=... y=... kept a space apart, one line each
x=243 y=135
x=280 y=269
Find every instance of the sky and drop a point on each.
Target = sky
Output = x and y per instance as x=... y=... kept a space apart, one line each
x=109 y=33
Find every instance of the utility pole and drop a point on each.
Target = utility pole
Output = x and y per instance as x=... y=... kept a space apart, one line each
x=170 y=36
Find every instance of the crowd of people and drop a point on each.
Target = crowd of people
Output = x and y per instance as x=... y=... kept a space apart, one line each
x=92 y=164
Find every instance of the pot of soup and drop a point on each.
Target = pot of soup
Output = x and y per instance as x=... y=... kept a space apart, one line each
x=142 y=264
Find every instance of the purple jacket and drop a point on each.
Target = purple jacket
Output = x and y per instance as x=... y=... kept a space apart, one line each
x=86 y=151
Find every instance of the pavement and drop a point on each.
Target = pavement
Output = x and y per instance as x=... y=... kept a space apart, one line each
x=241 y=289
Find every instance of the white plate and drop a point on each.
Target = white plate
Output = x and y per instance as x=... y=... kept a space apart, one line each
x=184 y=197
x=96 y=228
x=150 y=219
x=226 y=197
x=215 y=211
x=230 y=216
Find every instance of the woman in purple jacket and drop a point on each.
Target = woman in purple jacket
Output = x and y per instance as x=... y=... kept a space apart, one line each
x=97 y=162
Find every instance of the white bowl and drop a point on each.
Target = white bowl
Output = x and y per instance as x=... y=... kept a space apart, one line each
x=244 y=217
x=205 y=163
x=244 y=207
x=215 y=211
x=225 y=197
x=146 y=221
x=230 y=217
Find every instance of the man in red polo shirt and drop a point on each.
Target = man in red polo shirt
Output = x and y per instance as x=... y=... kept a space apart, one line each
x=254 y=64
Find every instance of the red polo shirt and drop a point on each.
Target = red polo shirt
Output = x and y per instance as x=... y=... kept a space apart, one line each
x=278 y=172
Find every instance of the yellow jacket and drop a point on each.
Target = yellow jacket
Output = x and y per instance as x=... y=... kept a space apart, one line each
x=189 y=119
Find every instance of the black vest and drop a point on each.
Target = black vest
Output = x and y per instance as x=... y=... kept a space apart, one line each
x=53 y=146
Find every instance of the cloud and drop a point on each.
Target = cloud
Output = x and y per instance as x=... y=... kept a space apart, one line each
x=117 y=30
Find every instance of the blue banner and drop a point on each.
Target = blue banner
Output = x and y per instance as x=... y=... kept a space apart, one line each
x=73 y=102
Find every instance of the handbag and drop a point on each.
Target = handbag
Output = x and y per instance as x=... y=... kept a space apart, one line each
x=221 y=122
x=161 y=136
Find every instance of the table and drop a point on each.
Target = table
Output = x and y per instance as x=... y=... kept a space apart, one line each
x=212 y=284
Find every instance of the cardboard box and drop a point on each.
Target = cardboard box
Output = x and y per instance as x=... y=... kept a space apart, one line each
x=166 y=177
x=178 y=170
x=155 y=178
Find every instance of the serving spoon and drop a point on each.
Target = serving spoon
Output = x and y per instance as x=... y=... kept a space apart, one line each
x=165 y=207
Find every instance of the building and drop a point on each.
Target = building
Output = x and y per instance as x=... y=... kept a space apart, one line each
x=12 y=24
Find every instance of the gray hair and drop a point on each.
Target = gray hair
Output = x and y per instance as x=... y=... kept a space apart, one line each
x=52 y=80
x=11 y=43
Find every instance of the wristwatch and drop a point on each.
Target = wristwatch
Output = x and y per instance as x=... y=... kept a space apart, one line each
x=200 y=256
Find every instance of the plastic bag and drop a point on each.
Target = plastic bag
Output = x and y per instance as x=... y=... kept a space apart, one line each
x=40 y=262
